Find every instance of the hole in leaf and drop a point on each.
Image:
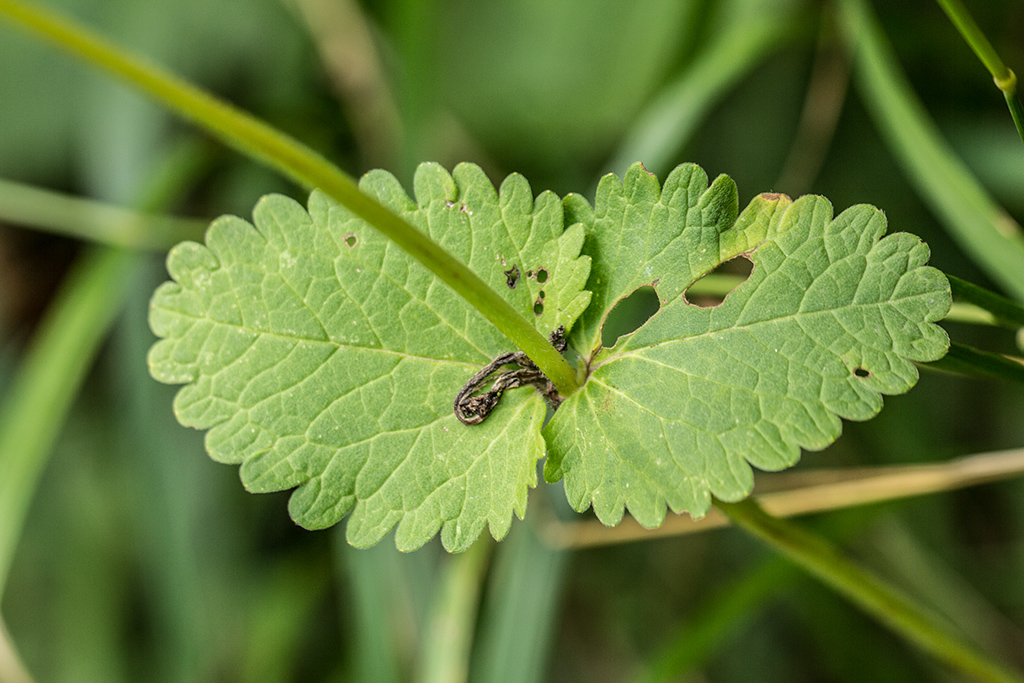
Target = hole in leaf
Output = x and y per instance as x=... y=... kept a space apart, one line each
x=629 y=314
x=351 y=240
x=542 y=275
x=861 y=372
x=711 y=289
x=538 y=307
x=512 y=276
x=541 y=295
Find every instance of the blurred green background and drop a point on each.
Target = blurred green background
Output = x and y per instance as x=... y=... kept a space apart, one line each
x=143 y=560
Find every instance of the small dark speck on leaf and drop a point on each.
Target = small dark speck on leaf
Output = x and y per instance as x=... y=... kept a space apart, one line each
x=512 y=276
x=351 y=240
x=862 y=372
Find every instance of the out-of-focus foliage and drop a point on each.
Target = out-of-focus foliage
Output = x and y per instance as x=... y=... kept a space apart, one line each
x=143 y=560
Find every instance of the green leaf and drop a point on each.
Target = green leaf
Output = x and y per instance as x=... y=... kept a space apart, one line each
x=320 y=356
x=636 y=237
x=829 y=320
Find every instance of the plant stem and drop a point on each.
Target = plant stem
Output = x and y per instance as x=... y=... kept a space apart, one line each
x=1003 y=76
x=93 y=220
x=823 y=561
x=449 y=633
x=255 y=138
x=805 y=492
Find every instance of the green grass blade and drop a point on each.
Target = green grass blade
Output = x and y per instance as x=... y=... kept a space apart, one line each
x=35 y=406
x=1003 y=76
x=259 y=140
x=966 y=360
x=449 y=634
x=981 y=227
x=281 y=608
x=389 y=592
x=33 y=409
x=882 y=601
x=521 y=610
x=722 y=615
x=92 y=220
x=1016 y=109
x=972 y=33
x=377 y=654
x=672 y=118
x=969 y=313
x=1008 y=312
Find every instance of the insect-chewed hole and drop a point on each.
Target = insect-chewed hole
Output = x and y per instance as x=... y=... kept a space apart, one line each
x=861 y=372
x=512 y=276
x=538 y=307
x=351 y=240
x=542 y=275
x=629 y=314
x=711 y=289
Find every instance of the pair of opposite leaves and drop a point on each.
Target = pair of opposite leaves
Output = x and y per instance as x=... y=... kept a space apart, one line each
x=320 y=356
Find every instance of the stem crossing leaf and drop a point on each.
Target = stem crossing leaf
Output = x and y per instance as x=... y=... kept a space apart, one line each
x=320 y=356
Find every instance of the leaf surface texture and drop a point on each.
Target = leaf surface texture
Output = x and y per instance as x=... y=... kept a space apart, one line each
x=831 y=318
x=320 y=356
